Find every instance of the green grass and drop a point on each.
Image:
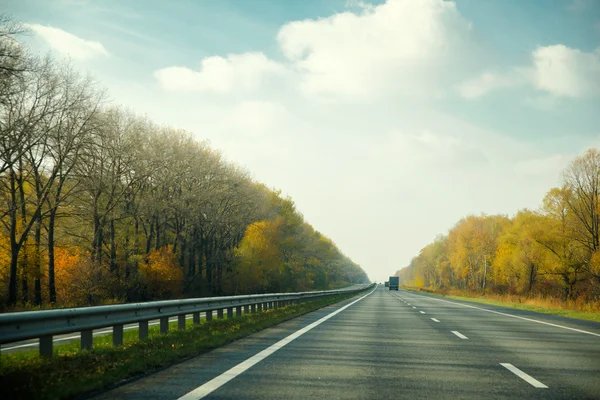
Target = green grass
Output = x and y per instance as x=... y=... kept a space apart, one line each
x=73 y=372
x=582 y=315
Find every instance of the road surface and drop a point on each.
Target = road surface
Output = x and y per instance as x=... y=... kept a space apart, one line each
x=393 y=345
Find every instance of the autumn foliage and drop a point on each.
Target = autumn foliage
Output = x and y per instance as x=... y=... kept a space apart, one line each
x=549 y=253
x=160 y=274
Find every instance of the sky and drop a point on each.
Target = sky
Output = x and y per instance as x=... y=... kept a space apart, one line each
x=386 y=122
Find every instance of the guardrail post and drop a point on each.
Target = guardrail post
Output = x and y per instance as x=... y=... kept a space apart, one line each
x=229 y=312
x=275 y=304
x=253 y=307
x=87 y=339
x=164 y=325
x=246 y=309
x=209 y=315
x=143 y=330
x=46 y=346
x=220 y=313
x=196 y=317
x=181 y=322
x=259 y=307
x=118 y=335
x=238 y=311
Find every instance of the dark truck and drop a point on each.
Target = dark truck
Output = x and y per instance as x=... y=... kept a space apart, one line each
x=394 y=282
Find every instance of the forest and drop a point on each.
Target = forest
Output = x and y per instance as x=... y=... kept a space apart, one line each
x=100 y=205
x=550 y=253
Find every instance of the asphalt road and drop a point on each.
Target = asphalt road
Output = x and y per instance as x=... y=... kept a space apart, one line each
x=393 y=345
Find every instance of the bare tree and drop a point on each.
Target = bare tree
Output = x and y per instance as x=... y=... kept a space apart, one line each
x=582 y=182
x=25 y=121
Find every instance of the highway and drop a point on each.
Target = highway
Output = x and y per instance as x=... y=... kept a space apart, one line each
x=393 y=345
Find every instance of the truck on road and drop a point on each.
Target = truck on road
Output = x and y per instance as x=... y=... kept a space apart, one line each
x=394 y=282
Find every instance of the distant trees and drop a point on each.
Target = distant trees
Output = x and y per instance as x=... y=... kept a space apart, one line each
x=551 y=252
x=98 y=204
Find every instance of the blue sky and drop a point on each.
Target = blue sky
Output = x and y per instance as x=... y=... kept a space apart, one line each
x=385 y=121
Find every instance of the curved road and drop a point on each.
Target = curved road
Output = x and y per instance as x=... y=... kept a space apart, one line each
x=393 y=345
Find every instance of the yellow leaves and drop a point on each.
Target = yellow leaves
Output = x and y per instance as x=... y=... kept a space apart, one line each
x=67 y=271
x=162 y=274
x=4 y=263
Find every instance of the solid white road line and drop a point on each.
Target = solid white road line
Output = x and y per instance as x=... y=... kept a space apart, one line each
x=527 y=378
x=435 y=320
x=422 y=312
x=516 y=316
x=460 y=335
x=212 y=385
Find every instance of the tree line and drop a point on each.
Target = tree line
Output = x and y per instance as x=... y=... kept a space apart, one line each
x=99 y=204
x=553 y=251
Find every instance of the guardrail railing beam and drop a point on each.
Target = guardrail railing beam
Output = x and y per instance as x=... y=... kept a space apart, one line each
x=45 y=325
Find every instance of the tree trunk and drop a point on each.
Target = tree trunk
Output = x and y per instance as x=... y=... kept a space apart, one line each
x=157 y=245
x=98 y=240
x=37 y=263
x=25 y=260
x=182 y=252
x=532 y=277
x=149 y=238
x=113 y=248
x=51 y=282
x=191 y=270
x=484 y=273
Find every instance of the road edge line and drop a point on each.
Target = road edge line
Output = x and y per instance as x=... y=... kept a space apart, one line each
x=215 y=383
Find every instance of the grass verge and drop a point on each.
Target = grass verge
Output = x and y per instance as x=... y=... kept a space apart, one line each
x=563 y=312
x=72 y=372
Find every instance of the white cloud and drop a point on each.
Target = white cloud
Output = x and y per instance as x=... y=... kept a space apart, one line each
x=221 y=75
x=401 y=46
x=563 y=71
x=359 y=4
x=557 y=69
x=545 y=102
x=408 y=47
x=259 y=118
x=551 y=165
x=489 y=81
x=69 y=44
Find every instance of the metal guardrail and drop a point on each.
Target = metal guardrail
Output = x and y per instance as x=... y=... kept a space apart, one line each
x=44 y=325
